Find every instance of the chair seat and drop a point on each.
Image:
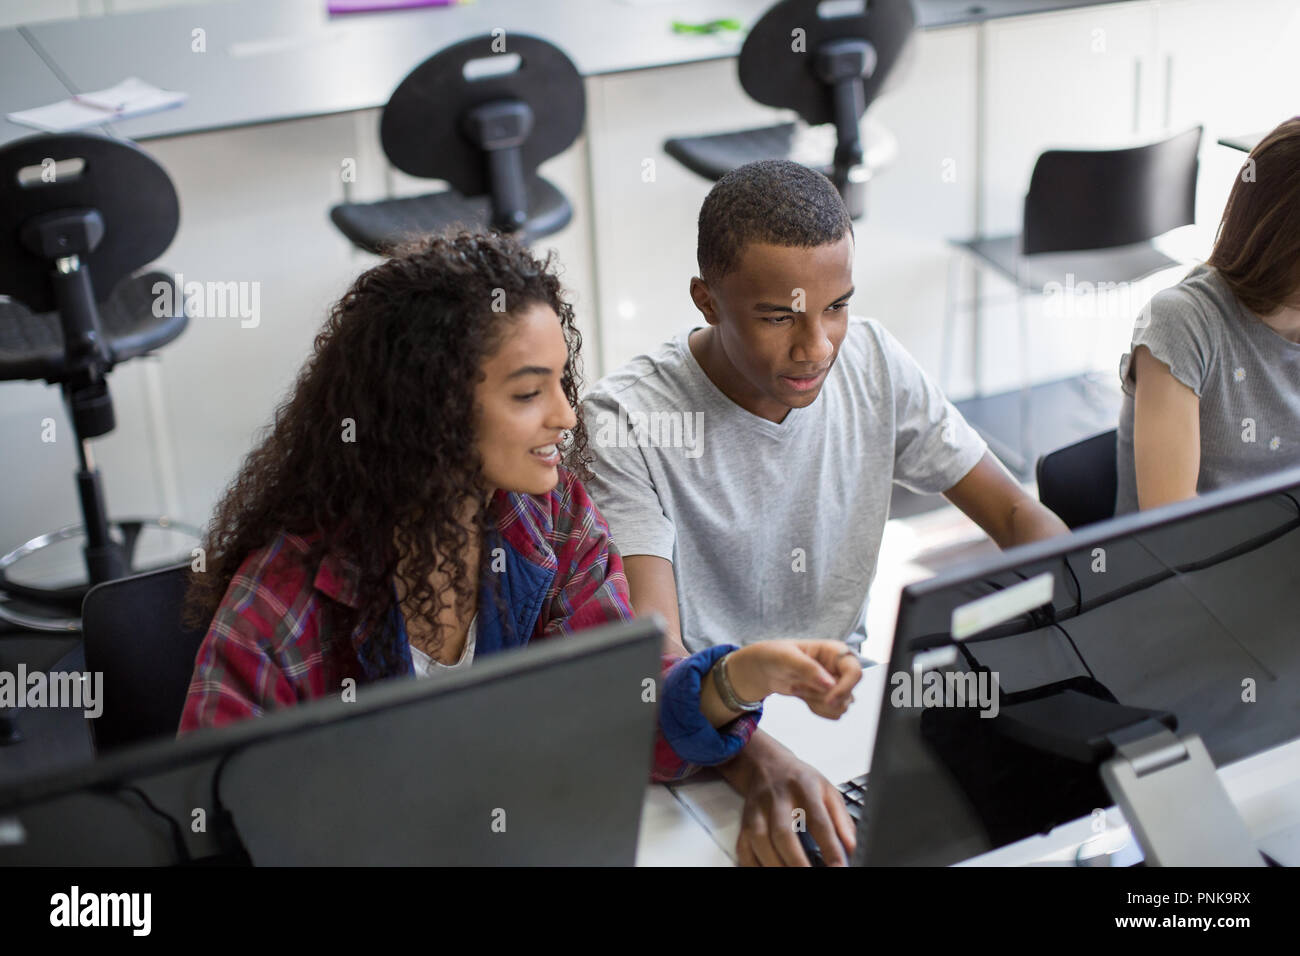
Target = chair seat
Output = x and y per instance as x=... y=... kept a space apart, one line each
x=715 y=155
x=1120 y=264
x=31 y=344
x=375 y=226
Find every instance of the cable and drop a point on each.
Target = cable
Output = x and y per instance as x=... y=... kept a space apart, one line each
x=232 y=846
x=177 y=832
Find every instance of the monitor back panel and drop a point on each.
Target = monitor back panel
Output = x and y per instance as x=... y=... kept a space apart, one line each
x=1196 y=618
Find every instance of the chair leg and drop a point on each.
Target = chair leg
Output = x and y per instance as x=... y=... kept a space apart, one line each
x=949 y=309
x=1026 y=441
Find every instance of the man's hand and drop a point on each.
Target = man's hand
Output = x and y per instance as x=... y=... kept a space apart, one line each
x=821 y=673
x=775 y=784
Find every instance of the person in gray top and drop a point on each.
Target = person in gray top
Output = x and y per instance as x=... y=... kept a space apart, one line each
x=745 y=468
x=1212 y=381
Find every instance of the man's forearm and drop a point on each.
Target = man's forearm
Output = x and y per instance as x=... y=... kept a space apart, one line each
x=1031 y=521
x=741 y=769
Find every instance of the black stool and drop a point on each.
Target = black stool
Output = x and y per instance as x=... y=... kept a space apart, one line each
x=826 y=69
x=78 y=215
x=484 y=135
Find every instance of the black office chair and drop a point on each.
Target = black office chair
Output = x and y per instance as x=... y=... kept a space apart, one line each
x=1079 y=482
x=828 y=69
x=78 y=215
x=1089 y=213
x=134 y=636
x=484 y=134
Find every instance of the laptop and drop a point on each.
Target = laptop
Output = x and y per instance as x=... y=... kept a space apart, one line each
x=539 y=756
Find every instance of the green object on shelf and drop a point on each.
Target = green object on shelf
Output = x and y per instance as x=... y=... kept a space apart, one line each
x=712 y=26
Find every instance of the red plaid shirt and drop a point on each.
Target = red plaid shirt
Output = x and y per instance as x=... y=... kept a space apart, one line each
x=270 y=644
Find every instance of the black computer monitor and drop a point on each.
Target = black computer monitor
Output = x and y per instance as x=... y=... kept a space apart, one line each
x=1183 y=617
x=535 y=756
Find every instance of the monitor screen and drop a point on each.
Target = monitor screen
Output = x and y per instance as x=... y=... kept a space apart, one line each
x=1191 y=612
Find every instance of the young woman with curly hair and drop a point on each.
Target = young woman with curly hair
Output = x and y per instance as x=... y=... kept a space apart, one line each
x=408 y=512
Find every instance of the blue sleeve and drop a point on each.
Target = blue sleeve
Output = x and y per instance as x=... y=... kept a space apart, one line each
x=685 y=728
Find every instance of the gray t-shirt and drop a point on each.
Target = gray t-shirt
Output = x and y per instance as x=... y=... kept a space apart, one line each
x=773 y=528
x=1246 y=375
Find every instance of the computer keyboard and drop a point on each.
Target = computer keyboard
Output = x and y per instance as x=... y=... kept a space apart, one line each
x=855 y=795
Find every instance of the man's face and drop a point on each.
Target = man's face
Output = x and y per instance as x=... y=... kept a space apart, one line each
x=779 y=319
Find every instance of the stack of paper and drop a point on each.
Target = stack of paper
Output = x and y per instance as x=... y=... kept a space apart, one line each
x=131 y=97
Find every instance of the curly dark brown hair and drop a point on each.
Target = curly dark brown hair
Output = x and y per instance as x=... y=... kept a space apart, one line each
x=400 y=356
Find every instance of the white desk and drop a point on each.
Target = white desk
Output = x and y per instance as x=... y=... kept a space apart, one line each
x=1265 y=789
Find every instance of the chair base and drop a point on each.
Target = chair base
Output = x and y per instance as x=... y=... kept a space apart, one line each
x=57 y=610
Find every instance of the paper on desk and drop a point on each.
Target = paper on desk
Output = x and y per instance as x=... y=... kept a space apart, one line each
x=131 y=97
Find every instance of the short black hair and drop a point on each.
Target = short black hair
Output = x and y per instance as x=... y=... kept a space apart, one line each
x=774 y=201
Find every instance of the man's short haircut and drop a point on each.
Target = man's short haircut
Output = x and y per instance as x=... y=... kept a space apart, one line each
x=773 y=201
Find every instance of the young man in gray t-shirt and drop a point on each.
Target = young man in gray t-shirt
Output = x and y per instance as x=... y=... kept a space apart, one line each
x=745 y=468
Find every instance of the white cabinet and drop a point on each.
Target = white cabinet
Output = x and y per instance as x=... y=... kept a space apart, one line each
x=1071 y=79
x=1234 y=67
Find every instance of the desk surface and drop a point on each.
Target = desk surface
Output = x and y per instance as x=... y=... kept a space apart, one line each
x=25 y=81
x=268 y=61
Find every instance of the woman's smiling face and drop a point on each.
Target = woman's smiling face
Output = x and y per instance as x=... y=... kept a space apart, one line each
x=523 y=410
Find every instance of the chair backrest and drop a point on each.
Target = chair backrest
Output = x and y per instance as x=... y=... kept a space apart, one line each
x=1099 y=199
x=70 y=173
x=135 y=637
x=1079 y=481
x=438 y=118
x=778 y=63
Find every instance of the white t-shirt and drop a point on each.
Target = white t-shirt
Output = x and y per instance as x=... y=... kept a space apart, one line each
x=426 y=666
x=773 y=528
